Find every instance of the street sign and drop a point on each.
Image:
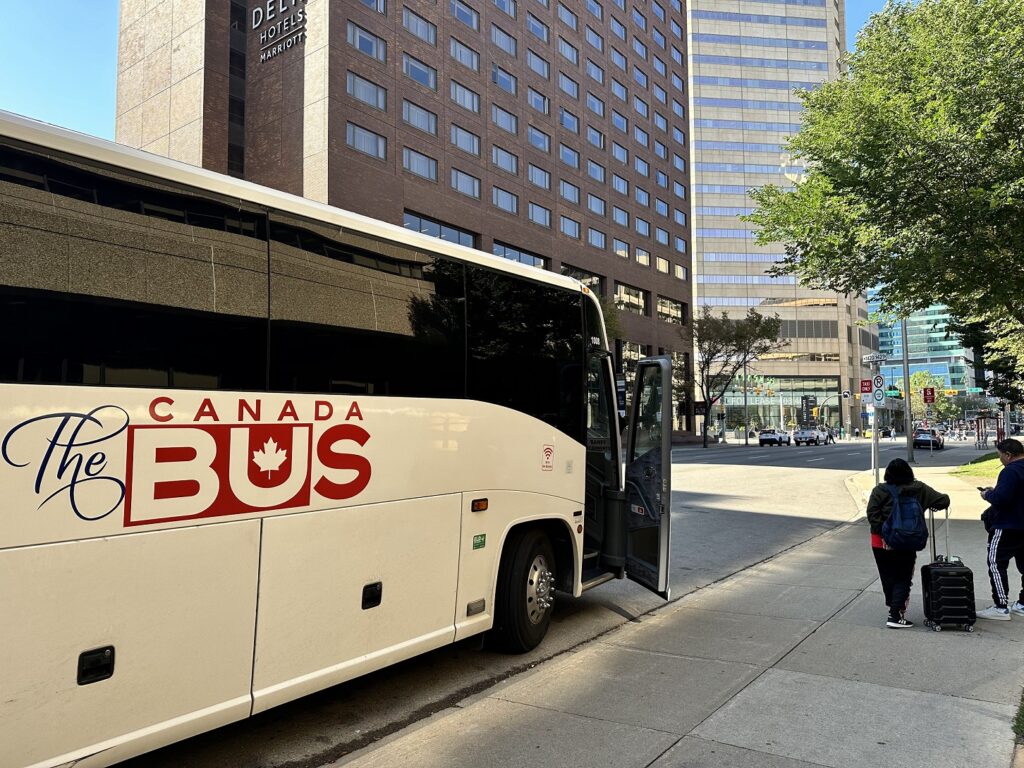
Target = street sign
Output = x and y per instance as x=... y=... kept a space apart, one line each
x=878 y=381
x=865 y=386
x=975 y=390
x=892 y=393
x=874 y=357
x=929 y=394
x=951 y=392
x=878 y=397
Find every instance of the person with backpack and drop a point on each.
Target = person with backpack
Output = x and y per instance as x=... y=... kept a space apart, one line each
x=898 y=532
x=1004 y=521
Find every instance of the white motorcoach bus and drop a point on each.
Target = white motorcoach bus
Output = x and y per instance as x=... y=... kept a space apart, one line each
x=253 y=446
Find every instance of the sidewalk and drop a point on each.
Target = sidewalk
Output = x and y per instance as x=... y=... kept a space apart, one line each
x=784 y=665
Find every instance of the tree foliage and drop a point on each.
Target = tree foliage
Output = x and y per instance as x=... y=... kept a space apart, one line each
x=915 y=169
x=725 y=345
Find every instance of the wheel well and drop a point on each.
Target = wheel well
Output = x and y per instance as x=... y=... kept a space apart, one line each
x=561 y=543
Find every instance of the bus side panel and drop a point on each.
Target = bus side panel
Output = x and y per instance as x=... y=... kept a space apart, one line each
x=483 y=535
x=177 y=606
x=319 y=568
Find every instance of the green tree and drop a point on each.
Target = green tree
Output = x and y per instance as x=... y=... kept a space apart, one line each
x=914 y=161
x=724 y=346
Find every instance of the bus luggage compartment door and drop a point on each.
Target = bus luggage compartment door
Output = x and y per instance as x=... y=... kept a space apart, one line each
x=648 y=476
x=175 y=607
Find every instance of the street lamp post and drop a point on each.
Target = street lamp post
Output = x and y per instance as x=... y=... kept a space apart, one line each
x=907 y=420
x=746 y=409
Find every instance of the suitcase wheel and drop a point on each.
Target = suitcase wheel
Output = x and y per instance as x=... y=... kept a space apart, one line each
x=969 y=627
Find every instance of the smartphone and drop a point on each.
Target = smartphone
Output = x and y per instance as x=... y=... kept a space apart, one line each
x=981 y=488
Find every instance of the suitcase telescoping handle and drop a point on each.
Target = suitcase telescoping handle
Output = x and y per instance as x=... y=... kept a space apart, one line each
x=931 y=538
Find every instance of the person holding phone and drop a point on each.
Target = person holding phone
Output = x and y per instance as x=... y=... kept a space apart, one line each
x=1004 y=521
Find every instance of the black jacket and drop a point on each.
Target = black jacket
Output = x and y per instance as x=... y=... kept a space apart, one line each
x=1007 y=498
x=880 y=502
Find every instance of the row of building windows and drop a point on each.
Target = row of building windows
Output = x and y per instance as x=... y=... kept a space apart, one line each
x=713 y=232
x=749 y=61
x=746 y=280
x=758 y=18
x=809 y=329
x=778 y=106
x=753 y=82
x=723 y=210
x=766 y=257
x=745 y=168
x=772 y=42
x=749 y=125
x=730 y=301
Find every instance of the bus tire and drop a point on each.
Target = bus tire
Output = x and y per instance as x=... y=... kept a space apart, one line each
x=525 y=592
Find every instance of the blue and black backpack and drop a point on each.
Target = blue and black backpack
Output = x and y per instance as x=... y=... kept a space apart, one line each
x=905 y=528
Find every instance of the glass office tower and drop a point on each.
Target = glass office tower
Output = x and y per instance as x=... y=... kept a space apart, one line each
x=746 y=59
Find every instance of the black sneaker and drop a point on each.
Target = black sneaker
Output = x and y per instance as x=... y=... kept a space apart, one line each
x=898 y=623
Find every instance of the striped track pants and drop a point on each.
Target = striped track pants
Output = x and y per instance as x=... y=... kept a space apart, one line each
x=1004 y=546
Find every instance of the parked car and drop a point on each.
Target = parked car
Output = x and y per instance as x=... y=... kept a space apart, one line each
x=928 y=438
x=773 y=437
x=808 y=435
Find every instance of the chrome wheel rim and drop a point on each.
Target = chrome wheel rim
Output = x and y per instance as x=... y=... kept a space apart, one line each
x=540 y=591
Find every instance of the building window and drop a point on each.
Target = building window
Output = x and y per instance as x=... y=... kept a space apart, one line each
x=504 y=119
x=380 y=6
x=504 y=40
x=419 y=164
x=661 y=264
x=538 y=64
x=596 y=238
x=620 y=185
x=512 y=253
x=643 y=257
x=640 y=136
x=620 y=122
x=592 y=280
x=505 y=200
x=419 y=72
x=595 y=171
x=595 y=137
x=419 y=118
x=595 y=72
x=465 y=55
x=620 y=153
x=465 y=184
x=643 y=197
x=537 y=100
x=595 y=105
x=568 y=51
x=569 y=227
x=567 y=17
x=671 y=311
x=435 y=228
x=569 y=191
x=464 y=97
x=539 y=177
x=620 y=248
x=568 y=85
x=619 y=216
x=366 y=43
x=367 y=92
x=631 y=299
x=660 y=236
x=568 y=120
x=642 y=166
x=594 y=39
x=536 y=27
x=643 y=226
x=367 y=142
x=538 y=139
x=465 y=140
x=508 y=7
x=503 y=79
x=538 y=214
x=680 y=245
x=505 y=160
x=569 y=156
x=465 y=14
x=618 y=29
x=596 y=204
x=419 y=27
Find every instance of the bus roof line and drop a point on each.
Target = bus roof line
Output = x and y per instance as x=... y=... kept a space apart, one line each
x=59 y=139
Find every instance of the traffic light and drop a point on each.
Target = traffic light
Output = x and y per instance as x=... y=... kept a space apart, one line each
x=814 y=412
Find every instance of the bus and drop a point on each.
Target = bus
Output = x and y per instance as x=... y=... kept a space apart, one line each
x=252 y=446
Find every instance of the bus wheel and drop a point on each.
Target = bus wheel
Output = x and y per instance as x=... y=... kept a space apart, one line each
x=526 y=592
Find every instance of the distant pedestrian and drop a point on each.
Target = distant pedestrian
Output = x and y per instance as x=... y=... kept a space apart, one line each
x=856 y=432
x=896 y=566
x=1005 y=523
x=830 y=436
x=842 y=433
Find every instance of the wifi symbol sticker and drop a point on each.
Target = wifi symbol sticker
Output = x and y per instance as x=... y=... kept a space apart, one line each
x=549 y=458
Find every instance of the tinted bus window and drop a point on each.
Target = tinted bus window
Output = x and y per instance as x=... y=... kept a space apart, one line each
x=526 y=348
x=356 y=315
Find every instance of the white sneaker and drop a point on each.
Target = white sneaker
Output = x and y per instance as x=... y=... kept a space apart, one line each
x=995 y=613
x=1017 y=608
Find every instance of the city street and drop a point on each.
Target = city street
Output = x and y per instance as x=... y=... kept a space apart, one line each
x=733 y=507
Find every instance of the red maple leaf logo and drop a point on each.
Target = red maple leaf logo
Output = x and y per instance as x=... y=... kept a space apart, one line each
x=270 y=458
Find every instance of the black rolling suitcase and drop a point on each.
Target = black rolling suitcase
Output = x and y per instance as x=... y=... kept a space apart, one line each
x=948 y=587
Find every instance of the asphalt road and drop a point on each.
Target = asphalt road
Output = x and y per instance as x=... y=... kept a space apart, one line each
x=732 y=507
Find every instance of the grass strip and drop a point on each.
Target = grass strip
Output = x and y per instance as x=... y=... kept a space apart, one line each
x=1018 y=723
x=985 y=466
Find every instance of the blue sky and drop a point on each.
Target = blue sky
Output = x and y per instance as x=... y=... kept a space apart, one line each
x=59 y=60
